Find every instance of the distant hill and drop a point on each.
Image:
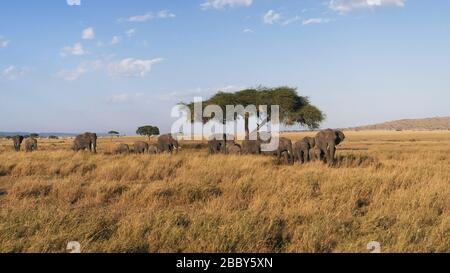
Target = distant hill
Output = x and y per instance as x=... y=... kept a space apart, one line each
x=5 y=134
x=438 y=123
x=40 y=134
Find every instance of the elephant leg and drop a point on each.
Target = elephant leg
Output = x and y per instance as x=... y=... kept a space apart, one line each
x=305 y=156
x=331 y=154
x=323 y=152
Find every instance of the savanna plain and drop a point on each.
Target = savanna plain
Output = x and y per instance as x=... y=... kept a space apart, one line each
x=390 y=187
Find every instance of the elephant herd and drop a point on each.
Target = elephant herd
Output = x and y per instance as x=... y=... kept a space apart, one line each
x=30 y=143
x=322 y=147
x=165 y=143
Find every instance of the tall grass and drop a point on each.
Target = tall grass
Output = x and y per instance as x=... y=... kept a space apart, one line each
x=391 y=187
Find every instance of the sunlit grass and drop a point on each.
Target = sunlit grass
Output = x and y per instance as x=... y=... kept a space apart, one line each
x=391 y=187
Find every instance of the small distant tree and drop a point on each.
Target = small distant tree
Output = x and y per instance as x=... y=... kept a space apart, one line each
x=113 y=133
x=148 y=131
x=34 y=135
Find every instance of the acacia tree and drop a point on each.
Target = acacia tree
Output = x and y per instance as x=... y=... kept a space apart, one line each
x=148 y=131
x=294 y=109
x=113 y=133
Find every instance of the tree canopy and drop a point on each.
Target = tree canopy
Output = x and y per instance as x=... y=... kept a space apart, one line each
x=294 y=109
x=148 y=131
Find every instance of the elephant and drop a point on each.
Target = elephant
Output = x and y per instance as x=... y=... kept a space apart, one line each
x=236 y=149
x=215 y=146
x=302 y=148
x=17 y=142
x=326 y=141
x=122 y=149
x=219 y=143
x=251 y=147
x=30 y=145
x=86 y=141
x=152 y=149
x=285 y=145
x=141 y=147
x=315 y=154
x=166 y=143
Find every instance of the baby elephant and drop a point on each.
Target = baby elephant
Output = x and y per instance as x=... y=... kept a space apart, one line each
x=302 y=149
x=30 y=145
x=234 y=149
x=122 y=149
x=153 y=149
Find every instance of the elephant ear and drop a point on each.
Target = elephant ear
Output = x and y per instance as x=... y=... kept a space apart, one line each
x=339 y=137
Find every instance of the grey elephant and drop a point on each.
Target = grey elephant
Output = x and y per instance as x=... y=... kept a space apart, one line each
x=235 y=149
x=315 y=154
x=302 y=149
x=326 y=141
x=152 y=149
x=219 y=143
x=141 y=147
x=252 y=147
x=31 y=145
x=285 y=147
x=167 y=143
x=86 y=141
x=122 y=149
x=17 y=140
x=215 y=146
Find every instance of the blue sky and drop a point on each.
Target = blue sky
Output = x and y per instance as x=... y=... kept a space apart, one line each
x=91 y=65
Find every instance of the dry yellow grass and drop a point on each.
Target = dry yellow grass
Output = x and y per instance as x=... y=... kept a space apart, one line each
x=391 y=187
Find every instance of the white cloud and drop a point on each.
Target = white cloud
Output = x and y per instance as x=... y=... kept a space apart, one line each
x=88 y=34
x=248 y=30
x=123 y=68
x=141 y=18
x=220 y=4
x=13 y=72
x=76 y=50
x=3 y=42
x=131 y=32
x=115 y=40
x=72 y=75
x=312 y=21
x=345 y=6
x=272 y=17
x=74 y=2
x=163 y=14
x=132 y=67
x=166 y=14
x=291 y=20
x=79 y=71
